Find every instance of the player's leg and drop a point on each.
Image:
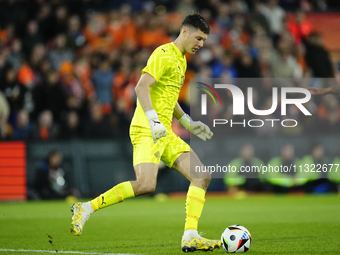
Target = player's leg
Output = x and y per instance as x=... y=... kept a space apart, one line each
x=146 y=178
x=198 y=186
x=145 y=183
x=182 y=165
x=191 y=240
x=145 y=163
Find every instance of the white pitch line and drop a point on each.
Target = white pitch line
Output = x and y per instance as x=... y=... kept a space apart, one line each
x=65 y=252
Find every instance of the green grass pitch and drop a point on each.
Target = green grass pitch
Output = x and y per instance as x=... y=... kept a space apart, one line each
x=278 y=224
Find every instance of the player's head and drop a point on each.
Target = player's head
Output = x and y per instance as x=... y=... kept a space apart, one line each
x=247 y=152
x=194 y=31
x=317 y=151
x=54 y=159
x=287 y=152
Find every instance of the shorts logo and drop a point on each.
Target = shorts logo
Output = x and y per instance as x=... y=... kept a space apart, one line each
x=157 y=155
x=103 y=200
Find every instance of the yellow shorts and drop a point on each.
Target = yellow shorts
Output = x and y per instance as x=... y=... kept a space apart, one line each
x=167 y=149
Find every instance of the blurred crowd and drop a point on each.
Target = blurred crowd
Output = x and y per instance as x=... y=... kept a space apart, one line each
x=50 y=180
x=292 y=170
x=285 y=173
x=68 y=68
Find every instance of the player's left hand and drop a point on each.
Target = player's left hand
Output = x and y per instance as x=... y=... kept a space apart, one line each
x=199 y=129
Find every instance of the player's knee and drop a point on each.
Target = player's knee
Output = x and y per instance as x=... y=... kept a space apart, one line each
x=203 y=181
x=206 y=180
x=148 y=187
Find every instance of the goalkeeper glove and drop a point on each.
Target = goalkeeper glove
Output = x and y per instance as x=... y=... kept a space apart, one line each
x=157 y=128
x=196 y=127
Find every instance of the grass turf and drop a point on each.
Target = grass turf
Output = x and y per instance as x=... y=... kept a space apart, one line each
x=278 y=224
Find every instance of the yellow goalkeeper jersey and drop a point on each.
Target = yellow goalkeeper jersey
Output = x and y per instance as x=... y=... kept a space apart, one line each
x=168 y=66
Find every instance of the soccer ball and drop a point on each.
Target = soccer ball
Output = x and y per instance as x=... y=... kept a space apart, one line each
x=235 y=239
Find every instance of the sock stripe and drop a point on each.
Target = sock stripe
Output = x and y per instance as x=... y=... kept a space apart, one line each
x=119 y=197
x=196 y=199
x=193 y=217
x=193 y=207
x=99 y=203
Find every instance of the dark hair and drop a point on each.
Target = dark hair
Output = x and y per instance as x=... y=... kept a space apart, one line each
x=314 y=146
x=314 y=35
x=52 y=153
x=196 y=21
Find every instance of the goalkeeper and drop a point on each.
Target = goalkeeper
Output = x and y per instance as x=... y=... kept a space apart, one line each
x=153 y=140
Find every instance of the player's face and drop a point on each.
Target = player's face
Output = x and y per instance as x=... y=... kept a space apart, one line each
x=194 y=40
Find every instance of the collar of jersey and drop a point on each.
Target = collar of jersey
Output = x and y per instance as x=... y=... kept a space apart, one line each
x=177 y=50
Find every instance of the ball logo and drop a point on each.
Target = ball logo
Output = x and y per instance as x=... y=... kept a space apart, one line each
x=244 y=236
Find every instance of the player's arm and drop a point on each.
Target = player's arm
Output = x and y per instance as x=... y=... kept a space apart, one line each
x=178 y=111
x=195 y=127
x=324 y=91
x=143 y=94
x=142 y=90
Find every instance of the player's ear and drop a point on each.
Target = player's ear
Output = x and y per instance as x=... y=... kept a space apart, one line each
x=185 y=31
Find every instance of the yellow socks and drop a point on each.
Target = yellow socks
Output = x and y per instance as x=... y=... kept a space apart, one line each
x=194 y=206
x=194 y=202
x=113 y=196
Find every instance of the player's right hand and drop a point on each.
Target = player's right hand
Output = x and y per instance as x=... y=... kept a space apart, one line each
x=158 y=130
